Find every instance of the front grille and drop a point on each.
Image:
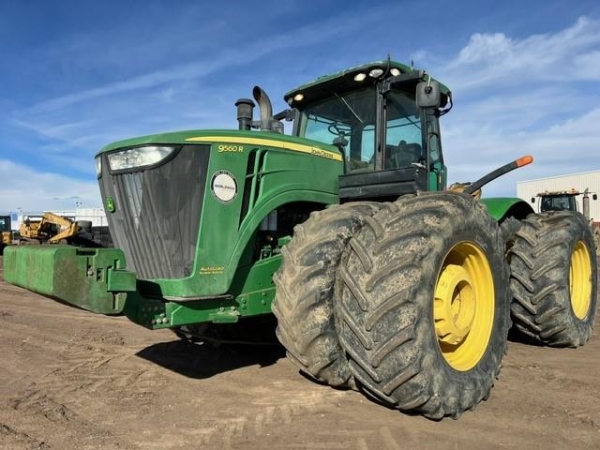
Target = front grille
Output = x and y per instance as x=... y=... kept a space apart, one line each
x=157 y=213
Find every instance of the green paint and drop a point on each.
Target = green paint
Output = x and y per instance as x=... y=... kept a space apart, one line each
x=499 y=207
x=256 y=296
x=110 y=204
x=92 y=279
x=285 y=177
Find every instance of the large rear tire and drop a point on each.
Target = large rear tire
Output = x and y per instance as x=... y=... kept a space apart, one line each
x=554 y=278
x=303 y=302
x=597 y=240
x=424 y=308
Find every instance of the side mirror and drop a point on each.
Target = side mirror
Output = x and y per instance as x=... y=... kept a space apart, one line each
x=428 y=94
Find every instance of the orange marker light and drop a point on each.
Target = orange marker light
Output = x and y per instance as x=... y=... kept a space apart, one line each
x=524 y=160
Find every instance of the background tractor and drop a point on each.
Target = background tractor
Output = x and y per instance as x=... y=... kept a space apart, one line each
x=567 y=201
x=379 y=277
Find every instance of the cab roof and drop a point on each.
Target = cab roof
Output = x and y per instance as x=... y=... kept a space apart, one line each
x=345 y=80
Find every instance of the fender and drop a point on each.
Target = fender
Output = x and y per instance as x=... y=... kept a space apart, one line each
x=500 y=208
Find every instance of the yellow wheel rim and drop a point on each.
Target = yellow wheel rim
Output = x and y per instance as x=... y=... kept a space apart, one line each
x=580 y=280
x=463 y=307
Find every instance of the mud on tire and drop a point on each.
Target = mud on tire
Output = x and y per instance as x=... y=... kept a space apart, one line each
x=303 y=301
x=389 y=278
x=554 y=279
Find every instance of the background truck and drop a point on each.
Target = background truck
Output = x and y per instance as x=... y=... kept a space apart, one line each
x=379 y=277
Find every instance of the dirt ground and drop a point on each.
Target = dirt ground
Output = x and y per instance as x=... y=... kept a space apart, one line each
x=74 y=380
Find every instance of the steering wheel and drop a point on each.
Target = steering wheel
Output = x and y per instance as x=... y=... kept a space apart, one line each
x=339 y=129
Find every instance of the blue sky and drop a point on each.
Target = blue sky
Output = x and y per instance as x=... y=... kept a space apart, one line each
x=77 y=75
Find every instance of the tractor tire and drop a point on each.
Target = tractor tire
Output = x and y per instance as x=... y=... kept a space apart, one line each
x=424 y=308
x=597 y=240
x=84 y=225
x=554 y=279
x=305 y=288
x=508 y=230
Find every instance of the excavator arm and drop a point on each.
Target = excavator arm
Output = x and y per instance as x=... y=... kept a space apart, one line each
x=67 y=227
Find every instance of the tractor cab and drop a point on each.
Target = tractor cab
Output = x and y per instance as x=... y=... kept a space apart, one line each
x=558 y=202
x=385 y=121
x=563 y=201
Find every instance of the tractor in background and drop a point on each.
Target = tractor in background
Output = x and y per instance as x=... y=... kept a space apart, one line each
x=567 y=201
x=380 y=278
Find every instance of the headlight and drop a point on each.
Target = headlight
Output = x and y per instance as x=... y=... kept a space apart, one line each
x=98 y=165
x=138 y=157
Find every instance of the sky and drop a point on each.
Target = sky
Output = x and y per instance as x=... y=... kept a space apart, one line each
x=78 y=74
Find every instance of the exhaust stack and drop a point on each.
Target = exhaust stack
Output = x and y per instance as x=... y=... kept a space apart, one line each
x=245 y=112
x=586 y=204
x=267 y=121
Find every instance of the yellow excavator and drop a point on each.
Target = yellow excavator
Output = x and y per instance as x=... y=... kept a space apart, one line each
x=52 y=228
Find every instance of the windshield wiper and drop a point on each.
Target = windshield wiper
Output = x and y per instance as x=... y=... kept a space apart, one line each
x=343 y=100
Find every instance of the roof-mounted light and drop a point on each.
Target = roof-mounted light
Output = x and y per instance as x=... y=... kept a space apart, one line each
x=298 y=97
x=360 y=77
x=376 y=73
x=395 y=71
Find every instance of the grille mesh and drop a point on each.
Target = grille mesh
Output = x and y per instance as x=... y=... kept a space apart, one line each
x=158 y=212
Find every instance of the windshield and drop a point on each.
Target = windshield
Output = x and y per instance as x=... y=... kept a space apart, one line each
x=403 y=137
x=4 y=224
x=347 y=118
x=559 y=203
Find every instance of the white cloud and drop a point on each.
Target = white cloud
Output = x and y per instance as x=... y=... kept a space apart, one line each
x=568 y=147
x=587 y=65
x=34 y=191
x=496 y=58
x=534 y=95
x=313 y=34
x=485 y=47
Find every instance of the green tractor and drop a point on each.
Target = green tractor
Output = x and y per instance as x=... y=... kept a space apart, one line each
x=567 y=201
x=381 y=279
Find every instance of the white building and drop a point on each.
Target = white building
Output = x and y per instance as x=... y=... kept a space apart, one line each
x=527 y=190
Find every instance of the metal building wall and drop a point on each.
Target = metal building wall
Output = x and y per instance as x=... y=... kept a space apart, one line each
x=579 y=181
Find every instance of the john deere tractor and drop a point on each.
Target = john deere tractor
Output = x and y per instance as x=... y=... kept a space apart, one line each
x=567 y=201
x=381 y=279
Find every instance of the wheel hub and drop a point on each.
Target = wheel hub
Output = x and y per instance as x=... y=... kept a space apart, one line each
x=580 y=281
x=454 y=306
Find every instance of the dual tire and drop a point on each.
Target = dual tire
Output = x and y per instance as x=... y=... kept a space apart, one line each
x=554 y=279
x=413 y=309
x=303 y=304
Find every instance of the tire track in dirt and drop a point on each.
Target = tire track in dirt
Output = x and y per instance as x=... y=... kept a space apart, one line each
x=73 y=392
x=14 y=439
